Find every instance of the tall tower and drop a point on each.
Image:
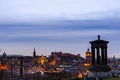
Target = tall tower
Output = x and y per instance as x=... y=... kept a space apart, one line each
x=34 y=53
x=88 y=56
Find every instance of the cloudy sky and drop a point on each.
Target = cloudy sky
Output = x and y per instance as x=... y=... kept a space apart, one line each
x=58 y=25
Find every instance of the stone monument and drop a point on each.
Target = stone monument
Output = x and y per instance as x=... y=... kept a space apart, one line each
x=99 y=66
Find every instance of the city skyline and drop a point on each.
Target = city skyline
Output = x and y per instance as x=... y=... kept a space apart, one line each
x=65 y=26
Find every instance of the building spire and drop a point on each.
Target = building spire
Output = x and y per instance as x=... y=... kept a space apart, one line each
x=4 y=54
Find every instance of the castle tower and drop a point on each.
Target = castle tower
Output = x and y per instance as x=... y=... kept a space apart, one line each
x=34 y=53
x=88 y=58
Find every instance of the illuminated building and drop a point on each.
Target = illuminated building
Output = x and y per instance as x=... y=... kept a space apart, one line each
x=65 y=58
x=79 y=76
x=42 y=60
x=53 y=62
x=88 y=56
x=3 y=67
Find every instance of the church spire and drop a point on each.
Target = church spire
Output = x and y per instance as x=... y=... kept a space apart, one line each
x=4 y=54
x=34 y=53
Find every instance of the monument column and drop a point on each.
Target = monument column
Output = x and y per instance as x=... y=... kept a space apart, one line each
x=99 y=59
x=93 y=55
x=98 y=56
x=103 y=56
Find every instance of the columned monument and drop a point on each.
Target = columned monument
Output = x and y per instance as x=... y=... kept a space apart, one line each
x=99 y=66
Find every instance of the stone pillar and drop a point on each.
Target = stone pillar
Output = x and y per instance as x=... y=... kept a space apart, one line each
x=103 y=56
x=98 y=56
x=93 y=56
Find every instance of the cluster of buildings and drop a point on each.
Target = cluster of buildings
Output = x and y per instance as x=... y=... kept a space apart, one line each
x=59 y=64
x=56 y=62
x=114 y=63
